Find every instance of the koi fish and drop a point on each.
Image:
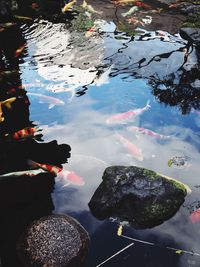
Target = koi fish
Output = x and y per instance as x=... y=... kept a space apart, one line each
x=68 y=6
x=118 y=118
x=147 y=132
x=46 y=167
x=22 y=17
x=90 y=8
x=124 y=2
x=131 y=148
x=20 y=173
x=131 y=11
x=7 y=103
x=195 y=216
x=53 y=101
x=26 y=133
x=64 y=175
x=19 y=50
x=70 y=177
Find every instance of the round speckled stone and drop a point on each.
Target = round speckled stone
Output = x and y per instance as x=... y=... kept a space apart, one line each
x=54 y=241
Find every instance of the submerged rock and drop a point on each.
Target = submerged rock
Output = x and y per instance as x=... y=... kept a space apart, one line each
x=140 y=196
x=56 y=241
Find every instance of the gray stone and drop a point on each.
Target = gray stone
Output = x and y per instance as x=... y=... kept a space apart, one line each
x=56 y=241
x=140 y=196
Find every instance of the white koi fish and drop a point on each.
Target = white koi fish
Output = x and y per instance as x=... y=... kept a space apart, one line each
x=20 y=173
x=90 y=8
x=52 y=101
x=148 y=132
x=131 y=148
x=120 y=117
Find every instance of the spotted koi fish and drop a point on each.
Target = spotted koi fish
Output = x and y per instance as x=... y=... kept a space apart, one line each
x=68 y=177
x=26 y=133
x=46 y=167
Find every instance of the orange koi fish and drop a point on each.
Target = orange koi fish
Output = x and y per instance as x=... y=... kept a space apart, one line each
x=120 y=117
x=131 y=148
x=7 y=103
x=195 y=216
x=148 y=132
x=70 y=177
x=46 y=167
x=52 y=101
x=20 y=50
x=26 y=133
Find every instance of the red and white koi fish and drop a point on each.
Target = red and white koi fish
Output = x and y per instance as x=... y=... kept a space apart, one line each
x=26 y=133
x=46 y=167
x=120 y=117
x=131 y=148
x=195 y=216
x=70 y=177
x=20 y=50
x=148 y=132
x=52 y=101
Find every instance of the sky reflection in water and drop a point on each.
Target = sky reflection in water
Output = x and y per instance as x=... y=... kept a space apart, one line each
x=96 y=78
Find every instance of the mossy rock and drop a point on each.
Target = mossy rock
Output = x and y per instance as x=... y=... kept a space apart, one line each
x=142 y=197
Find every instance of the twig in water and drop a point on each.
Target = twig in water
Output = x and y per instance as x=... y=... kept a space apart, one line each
x=177 y=250
x=115 y=254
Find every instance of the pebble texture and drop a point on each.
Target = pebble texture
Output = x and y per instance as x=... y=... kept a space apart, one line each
x=54 y=241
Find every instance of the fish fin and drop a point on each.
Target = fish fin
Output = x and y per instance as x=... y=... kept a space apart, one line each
x=65 y=185
x=51 y=106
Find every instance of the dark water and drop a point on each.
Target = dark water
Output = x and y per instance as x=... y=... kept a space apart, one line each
x=94 y=77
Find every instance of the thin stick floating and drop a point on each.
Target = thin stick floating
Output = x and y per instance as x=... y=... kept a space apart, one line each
x=177 y=250
x=120 y=251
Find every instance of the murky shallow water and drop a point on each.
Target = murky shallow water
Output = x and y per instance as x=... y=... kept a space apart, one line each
x=96 y=76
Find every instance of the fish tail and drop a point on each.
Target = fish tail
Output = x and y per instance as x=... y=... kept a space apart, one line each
x=148 y=104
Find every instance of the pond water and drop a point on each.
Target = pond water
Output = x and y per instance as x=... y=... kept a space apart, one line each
x=75 y=82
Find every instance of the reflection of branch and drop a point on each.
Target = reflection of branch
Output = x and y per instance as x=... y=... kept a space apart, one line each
x=164 y=55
